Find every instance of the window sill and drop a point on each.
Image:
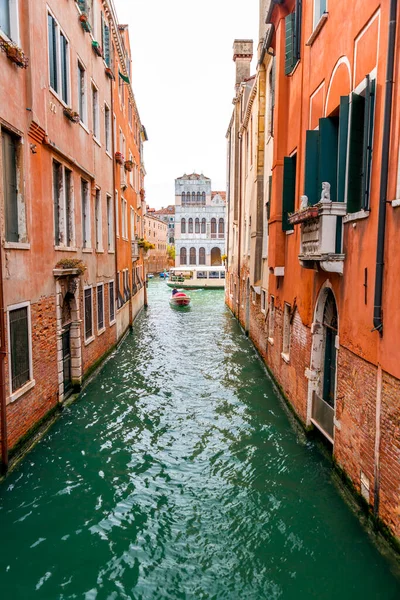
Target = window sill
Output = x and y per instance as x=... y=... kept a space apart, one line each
x=111 y=251
x=394 y=203
x=113 y=322
x=23 y=390
x=87 y=250
x=99 y=251
x=108 y=154
x=357 y=216
x=285 y=357
x=66 y=248
x=289 y=232
x=17 y=246
x=89 y=340
x=101 y=331
x=82 y=124
x=61 y=101
x=317 y=29
x=95 y=139
x=271 y=341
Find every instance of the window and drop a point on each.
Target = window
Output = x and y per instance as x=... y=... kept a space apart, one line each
x=116 y=213
x=124 y=217
x=96 y=112
x=271 y=100
x=203 y=196
x=192 y=256
x=271 y=322
x=221 y=228
x=203 y=226
x=82 y=92
x=107 y=128
x=183 y=198
x=110 y=236
x=132 y=224
x=213 y=228
x=183 y=226
x=5 y=21
x=197 y=226
x=198 y=198
x=85 y=214
x=105 y=41
x=20 y=345
x=286 y=331
x=130 y=113
x=293 y=38
x=319 y=9
x=15 y=220
x=63 y=205
x=190 y=225
x=131 y=171
x=289 y=190
x=111 y=299
x=99 y=225
x=202 y=256
x=100 y=307
x=263 y=300
x=88 y=313
x=58 y=59
x=183 y=256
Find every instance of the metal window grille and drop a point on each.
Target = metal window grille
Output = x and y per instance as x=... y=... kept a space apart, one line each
x=111 y=300
x=100 y=307
x=19 y=347
x=88 y=314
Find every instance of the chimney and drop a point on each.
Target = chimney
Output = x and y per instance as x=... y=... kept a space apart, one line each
x=242 y=55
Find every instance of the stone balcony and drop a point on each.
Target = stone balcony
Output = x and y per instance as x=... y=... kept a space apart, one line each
x=321 y=235
x=135 y=251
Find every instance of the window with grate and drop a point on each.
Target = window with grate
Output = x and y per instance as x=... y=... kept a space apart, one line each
x=19 y=347
x=88 y=314
x=286 y=330
x=100 y=307
x=111 y=299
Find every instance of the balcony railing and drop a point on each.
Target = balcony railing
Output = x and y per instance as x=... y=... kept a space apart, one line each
x=323 y=416
x=321 y=235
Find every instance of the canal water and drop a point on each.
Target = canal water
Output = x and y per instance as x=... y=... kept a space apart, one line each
x=178 y=475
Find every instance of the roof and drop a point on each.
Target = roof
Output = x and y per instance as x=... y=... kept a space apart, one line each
x=164 y=211
x=222 y=194
x=193 y=176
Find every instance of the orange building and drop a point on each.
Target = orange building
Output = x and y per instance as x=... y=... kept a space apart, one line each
x=156 y=232
x=331 y=322
x=58 y=191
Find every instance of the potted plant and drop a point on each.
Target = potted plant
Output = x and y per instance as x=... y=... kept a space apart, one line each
x=119 y=158
x=128 y=165
x=224 y=257
x=75 y=264
x=14 y=53
x=83 y=19
x=72 y=115
x=142 y=243
x=109 y=73
x=97 y=48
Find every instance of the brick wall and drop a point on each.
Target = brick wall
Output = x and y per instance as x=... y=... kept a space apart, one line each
x=103 y=342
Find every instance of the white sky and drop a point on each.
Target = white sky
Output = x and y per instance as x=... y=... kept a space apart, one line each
x=183 y=79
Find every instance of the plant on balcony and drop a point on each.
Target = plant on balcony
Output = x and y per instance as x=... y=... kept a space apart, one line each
x=72 y=115
x=14 y=53
x=97 y=48
x=224 y=257
x=119 y=158
x=304 y=214
x=142 y=243
x=83 y=18
x=109 y=73
x=128 y=165
x=72 y=263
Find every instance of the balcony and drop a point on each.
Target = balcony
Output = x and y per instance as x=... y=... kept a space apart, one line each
x=321 y=235
x=135 y=251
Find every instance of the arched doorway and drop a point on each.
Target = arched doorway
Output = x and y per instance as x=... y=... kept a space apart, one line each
x=322 y=378
x=216 y=257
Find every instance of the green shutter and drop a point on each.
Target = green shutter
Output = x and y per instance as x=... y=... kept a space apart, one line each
x=297 y=31
x=367 y=142
x=289 y=52
x=10 y=190
x=328 y=135
x=354 y=185
x=82 y=5
x=311 y=179
x=289 y=190
x=342 y=147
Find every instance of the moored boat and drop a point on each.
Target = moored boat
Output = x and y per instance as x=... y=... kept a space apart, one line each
x=190 y=278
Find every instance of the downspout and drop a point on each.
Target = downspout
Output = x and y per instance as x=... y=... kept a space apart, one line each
x=113 y=141
x=3 y=405
x=380 y=250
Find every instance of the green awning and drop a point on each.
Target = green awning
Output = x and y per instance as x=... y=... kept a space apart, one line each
x=126 y=79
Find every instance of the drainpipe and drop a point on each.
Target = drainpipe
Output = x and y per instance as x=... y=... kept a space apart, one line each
x=3 y=406
x=113 y=142
x=380 y=250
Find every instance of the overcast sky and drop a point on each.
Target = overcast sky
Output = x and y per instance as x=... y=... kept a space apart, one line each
x=183 y=81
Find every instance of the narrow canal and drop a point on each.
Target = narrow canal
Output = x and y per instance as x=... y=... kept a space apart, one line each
x=177 y=475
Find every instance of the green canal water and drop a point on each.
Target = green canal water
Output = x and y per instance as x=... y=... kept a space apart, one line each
x=178 y=475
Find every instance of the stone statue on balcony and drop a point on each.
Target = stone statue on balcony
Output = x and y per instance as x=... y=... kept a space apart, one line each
x=326 y=192
x=303 y=202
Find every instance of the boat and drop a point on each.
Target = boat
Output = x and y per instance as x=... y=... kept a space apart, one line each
x=179 y=299
x=163 y=275
x=150 y=275
x=191 y=278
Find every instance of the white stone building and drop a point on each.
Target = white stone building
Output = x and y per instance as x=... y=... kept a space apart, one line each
x=199 y=222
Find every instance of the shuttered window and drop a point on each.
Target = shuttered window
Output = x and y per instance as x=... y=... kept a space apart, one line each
x=88 y=314
x=293 y=38
x=289 y=190
x=100 y=307
x=342 y=147
x=111 y=300
x=9 y=152
x=360 y=148
x=19 y=347
x=328 y=161
x=5 y=23
x=105 y=41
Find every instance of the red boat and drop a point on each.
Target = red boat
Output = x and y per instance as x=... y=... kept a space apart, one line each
x=179 y=299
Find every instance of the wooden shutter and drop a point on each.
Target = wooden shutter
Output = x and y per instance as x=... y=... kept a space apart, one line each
x=289 y=50
x=367 y=142
x=10 y=186
x=311 y=179
x=106 y=42
x=342 y=147
x=82 y=5
x=289 y=190
x=297 y=32
x=356 y=148
x=328 y=139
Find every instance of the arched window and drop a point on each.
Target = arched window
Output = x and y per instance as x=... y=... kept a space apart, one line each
x=183 y=198
x=203 y=196
x=202 y=256
x=197 y=226
x=183 y=225
x=193 y=197
x=221 y=228
x=216 y=257
x=183 y=256
x=192 y=256
x=213 y=228
x=198 y=197
x=190 y=226
x=203 y=226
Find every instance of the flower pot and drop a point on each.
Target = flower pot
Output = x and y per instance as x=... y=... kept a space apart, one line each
x=109 y=73
x=72 y=115
x=14 y=54
x=85 y=23
x=97 y=48
x=119 y=158
x=128 y=165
